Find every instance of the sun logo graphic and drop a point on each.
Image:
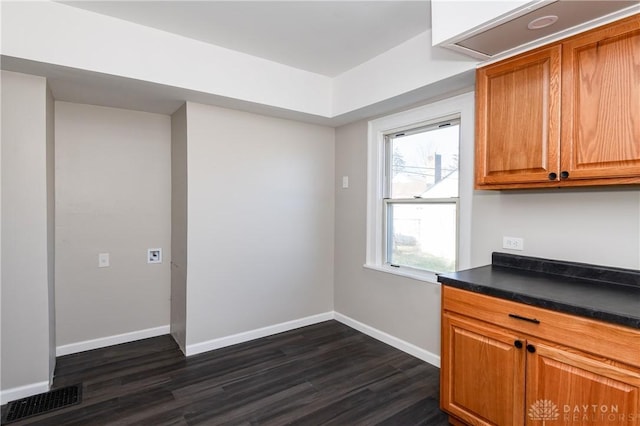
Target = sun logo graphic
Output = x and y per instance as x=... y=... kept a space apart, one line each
x=544 y=410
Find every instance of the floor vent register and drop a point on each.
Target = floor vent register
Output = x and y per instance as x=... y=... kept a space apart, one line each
x=42 y=403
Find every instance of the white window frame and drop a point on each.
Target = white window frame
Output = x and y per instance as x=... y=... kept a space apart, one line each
x=462 y=107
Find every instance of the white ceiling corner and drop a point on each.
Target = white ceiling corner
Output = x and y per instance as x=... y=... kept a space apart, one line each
x=324 y=37
x=325 y=41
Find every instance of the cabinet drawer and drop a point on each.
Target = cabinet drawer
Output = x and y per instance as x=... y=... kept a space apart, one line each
x=596 y=337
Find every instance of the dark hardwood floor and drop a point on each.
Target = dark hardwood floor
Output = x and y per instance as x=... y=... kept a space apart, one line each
x=324 y=374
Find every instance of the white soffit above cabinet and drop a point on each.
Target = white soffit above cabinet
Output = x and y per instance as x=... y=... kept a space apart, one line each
x=509 y=33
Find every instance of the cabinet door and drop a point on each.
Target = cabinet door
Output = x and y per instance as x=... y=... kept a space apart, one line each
x=518 y=119
x=482 y=373
x=566 y=387
x=601 y=103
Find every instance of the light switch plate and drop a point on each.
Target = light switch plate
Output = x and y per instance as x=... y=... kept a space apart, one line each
x=103 y=260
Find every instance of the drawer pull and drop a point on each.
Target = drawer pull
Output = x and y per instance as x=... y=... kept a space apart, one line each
x=533 y=320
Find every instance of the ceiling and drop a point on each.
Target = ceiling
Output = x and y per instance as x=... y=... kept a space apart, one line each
x=324 y=37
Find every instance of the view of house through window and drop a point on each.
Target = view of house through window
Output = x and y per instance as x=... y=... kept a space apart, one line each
x=421 y=197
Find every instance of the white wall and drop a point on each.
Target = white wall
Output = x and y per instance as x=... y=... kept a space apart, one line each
x=413 y=64
x=600 y=226
x=26 y=265
x=260 y=221
x=404 y=308
x=55 y=33
x=596 y=225
x=85 y=42
x=113 y=195
x=448 y=21
x=51 y=226
x=179 y=197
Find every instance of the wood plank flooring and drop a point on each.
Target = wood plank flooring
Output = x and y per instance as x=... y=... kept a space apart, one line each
x=324 y=374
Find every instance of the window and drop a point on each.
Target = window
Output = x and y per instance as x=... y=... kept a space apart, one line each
x=421 y=197
x=420 y=183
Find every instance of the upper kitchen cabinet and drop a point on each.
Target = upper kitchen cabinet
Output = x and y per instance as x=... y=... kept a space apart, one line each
x=567 y=114
x=518 y=119
x=601 y=103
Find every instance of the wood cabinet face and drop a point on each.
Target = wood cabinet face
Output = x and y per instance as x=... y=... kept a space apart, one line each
x=487 y=380
x=601 y=103
x=570 y=388
x=563 y=115
x=473 y=389
x=518 y=129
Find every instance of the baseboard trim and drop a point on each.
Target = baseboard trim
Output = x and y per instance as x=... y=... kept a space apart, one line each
x=234 y=339
x=246 y=336
x=12 y=394
x=117 y=339
x=397 y=343
x=411 y=349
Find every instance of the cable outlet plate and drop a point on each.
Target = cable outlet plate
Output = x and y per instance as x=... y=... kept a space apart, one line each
x=154 y=255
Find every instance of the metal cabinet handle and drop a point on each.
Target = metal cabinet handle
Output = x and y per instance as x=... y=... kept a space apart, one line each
x=533 y=320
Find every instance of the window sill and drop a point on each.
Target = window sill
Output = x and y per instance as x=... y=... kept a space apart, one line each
x=415 y=274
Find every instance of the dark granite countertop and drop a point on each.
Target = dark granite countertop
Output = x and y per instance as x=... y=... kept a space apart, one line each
x=598 y=292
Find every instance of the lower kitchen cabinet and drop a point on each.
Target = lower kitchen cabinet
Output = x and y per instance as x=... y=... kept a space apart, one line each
x=526 y=369
x=472 y=391
x=583 y=389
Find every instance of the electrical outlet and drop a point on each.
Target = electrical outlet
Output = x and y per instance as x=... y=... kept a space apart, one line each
x=154 y=255
x=345 y=182
x=512 y=243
